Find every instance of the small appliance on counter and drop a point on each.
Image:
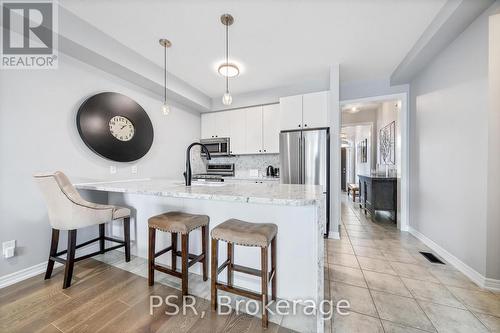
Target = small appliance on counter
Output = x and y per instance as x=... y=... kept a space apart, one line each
x=270 y=171
x=215 y=172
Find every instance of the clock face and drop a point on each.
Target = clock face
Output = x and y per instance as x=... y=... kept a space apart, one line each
x=121 y=128
x=115 y=127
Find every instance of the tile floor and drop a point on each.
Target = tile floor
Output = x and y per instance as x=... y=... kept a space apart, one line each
x=392 y=288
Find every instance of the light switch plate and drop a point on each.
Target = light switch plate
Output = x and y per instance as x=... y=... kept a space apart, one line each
x=134 y=169
x=8 y=248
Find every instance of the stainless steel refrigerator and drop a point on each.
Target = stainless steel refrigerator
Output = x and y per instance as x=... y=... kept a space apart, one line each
x=305 y=159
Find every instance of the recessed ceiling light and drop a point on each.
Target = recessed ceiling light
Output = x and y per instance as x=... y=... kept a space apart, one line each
x=228 y=70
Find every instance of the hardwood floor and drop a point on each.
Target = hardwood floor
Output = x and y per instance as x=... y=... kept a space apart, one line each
x=103 y=298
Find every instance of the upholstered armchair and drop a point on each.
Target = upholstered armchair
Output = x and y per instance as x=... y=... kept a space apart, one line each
x=67 y=210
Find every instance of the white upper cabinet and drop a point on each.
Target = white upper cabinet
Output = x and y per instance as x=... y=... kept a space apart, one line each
x=223 y=124
x=208 y=125
x=291 y=112
x=238 y=131
x=215 y=125
x=315 y=110
x=254 y=130
x=304 y=111
x=271 y=129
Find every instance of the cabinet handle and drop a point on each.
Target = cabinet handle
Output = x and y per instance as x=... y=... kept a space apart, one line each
x=299 y=125
x=259 y=151
x=265 y=150
x=216 y=136
x=305 y=125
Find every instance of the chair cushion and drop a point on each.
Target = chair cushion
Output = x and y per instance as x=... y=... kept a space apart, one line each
x=353 y=186
x=120 y=212
x=178 y=222
x=245 y=233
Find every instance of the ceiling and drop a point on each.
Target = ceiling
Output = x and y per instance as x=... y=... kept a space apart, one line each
x=278 y=43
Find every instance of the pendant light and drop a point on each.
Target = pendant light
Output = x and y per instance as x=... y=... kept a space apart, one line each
x=228 y=70
x=165 y=108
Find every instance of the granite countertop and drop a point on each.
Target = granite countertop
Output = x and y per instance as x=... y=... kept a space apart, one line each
x=267 y=193
x=246 y=177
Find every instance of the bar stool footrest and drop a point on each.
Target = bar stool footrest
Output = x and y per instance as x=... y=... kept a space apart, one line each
x=167 y=270
x=239 y=291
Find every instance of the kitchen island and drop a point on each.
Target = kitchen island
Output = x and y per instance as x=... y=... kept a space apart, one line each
x=297 y=210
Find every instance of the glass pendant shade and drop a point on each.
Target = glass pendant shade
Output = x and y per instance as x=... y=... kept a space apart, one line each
x=165 y=109
x=227 y=99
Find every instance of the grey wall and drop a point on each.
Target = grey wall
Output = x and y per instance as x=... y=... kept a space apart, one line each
x=38 y=133
x=449 y=148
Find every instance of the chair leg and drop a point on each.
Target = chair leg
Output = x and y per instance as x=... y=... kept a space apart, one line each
x=101 y=237
x=173 y=235
x=273 y=268
x=214 y=262
x=52 y=253
x=151 y=256
x=185 y=257
x=204 y=245
x=70 y=259
x=264 y=280
x=126 y=234
x=230 y=258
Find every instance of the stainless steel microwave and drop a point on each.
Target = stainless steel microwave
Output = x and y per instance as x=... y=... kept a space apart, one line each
x=217 y=146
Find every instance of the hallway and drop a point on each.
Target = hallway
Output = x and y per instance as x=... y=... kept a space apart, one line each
x=391 y=287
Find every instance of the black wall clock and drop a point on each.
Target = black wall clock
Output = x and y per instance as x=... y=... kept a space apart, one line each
x=115 y=127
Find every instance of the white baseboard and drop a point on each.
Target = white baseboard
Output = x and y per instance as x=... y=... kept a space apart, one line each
x=468 y=271
x=492 y=284
x=333 y=235
x=24 y=274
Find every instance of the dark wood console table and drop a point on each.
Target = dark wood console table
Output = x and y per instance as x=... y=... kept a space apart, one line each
x=378 y=193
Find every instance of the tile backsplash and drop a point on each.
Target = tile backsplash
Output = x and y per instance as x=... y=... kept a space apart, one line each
x=247 y=162
x=242 y=163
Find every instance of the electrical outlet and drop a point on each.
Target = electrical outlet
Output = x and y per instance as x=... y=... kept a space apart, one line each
x=134 y=169
x=112 y=169
x=8 y=248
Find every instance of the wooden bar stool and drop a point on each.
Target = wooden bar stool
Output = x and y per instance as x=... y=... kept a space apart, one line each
x=178 y=223
x=236 y=232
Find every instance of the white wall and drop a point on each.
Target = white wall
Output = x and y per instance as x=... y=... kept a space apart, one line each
x=387 y=113
x=356 y=134
x=364 y=117
x=38 y=133
x=493 y=212
x=449 y=148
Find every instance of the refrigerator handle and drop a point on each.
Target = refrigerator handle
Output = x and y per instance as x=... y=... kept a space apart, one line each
x=303 y=160
x=300 y=160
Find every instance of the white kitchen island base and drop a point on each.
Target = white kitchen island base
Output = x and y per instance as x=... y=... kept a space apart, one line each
x=297 y=210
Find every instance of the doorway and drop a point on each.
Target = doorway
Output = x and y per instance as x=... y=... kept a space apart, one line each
x=375 y=143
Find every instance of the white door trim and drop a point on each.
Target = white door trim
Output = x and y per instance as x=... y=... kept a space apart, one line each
x=405 y=152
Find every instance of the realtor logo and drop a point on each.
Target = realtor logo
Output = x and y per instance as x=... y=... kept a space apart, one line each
x=28 y=35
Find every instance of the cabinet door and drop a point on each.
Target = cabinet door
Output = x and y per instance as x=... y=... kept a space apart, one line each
x=291 y=112
x=207 y=125
x=315 y=109
x=271 y=129
x=254 y=130
x=222 y=124
x=237 y=131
